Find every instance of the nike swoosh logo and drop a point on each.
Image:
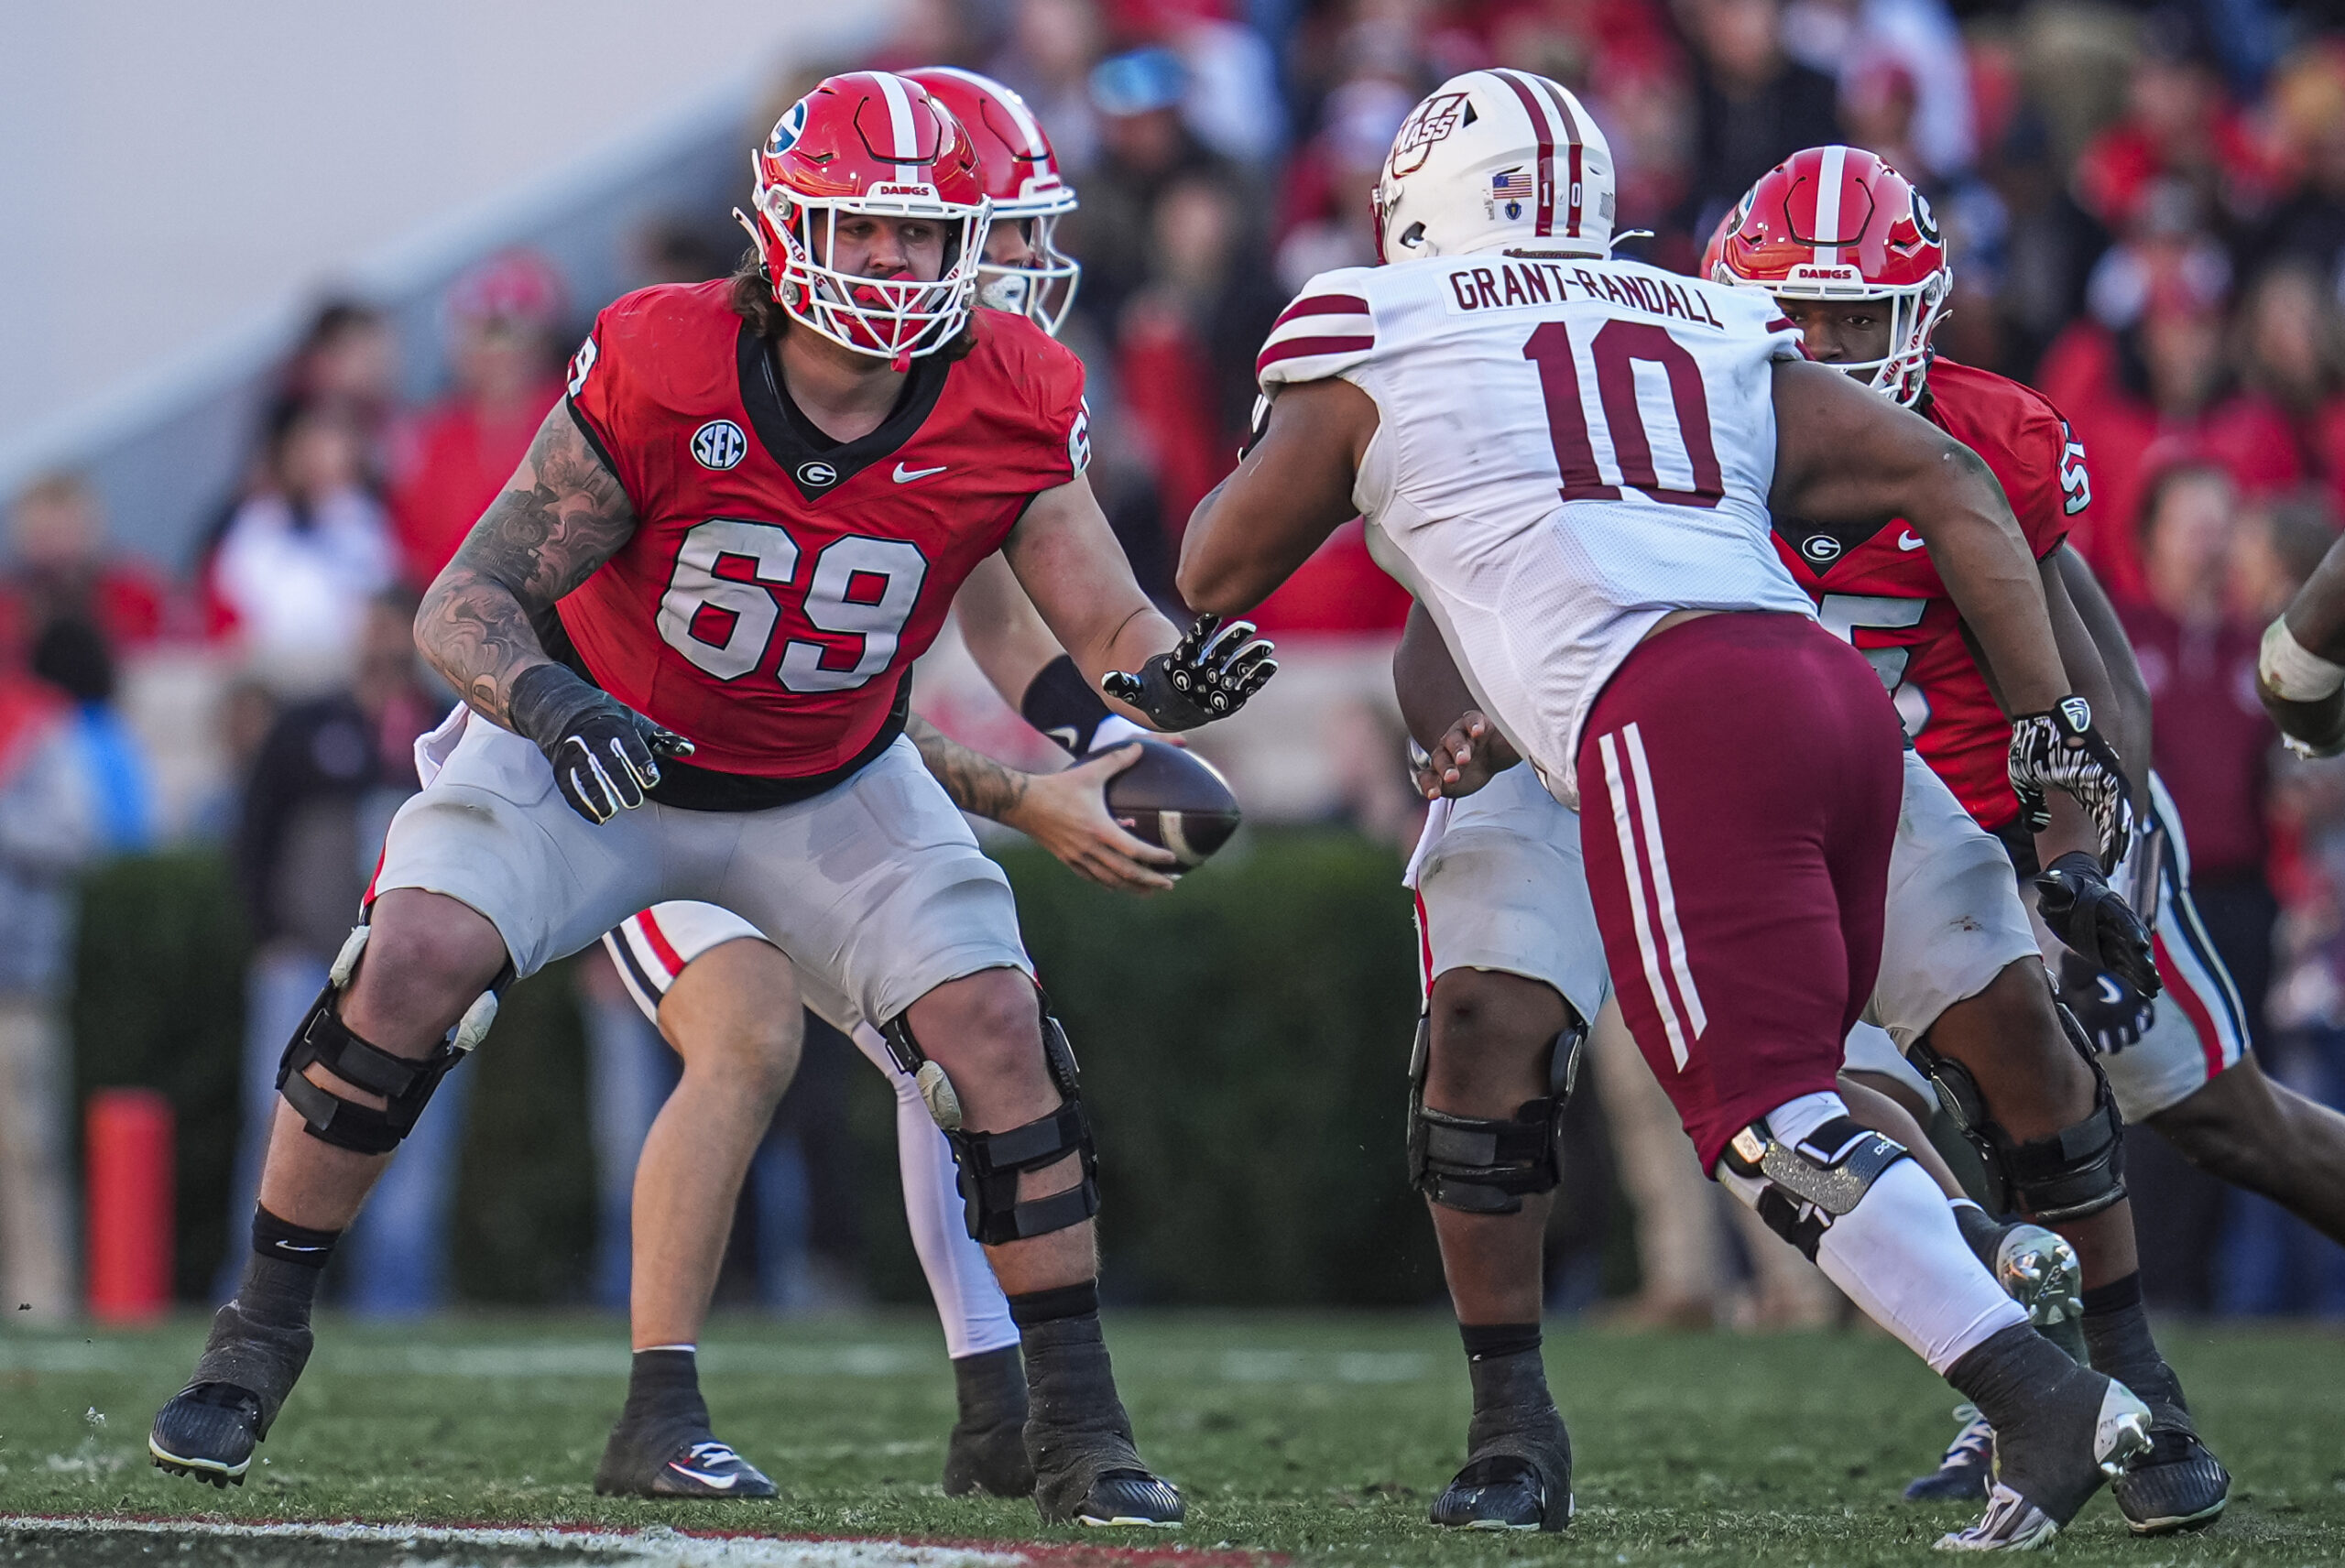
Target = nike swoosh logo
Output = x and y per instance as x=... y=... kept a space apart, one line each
x=906 y=475
x=293 y=1247
x=722 y=1482
x=1907 y=541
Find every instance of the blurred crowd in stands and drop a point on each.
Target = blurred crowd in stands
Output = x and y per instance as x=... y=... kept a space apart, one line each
x=2147 y=214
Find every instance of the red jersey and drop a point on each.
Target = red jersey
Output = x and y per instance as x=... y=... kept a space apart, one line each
x=778 y=584
x=1879 y=588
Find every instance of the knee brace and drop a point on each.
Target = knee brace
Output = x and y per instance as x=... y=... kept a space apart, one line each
x=990 y=1163
x=1482 y=1166
x=1804 y=1186
x=407 y=1084
x=2076 y=1172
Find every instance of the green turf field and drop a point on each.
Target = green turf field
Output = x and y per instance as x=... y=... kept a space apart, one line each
x=1321 y=1437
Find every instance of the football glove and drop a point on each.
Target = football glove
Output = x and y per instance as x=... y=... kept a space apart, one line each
x=2060 y=749
x=2112 y=1014
x=2095 y=921
x=605 y=753
x=1208 y=676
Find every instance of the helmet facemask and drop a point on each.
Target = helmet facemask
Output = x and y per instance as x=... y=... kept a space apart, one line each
x=1040 y=288
x=895 y=319
x=1914 y=315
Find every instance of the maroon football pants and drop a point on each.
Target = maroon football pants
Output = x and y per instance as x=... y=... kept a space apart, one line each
x=1740 y=778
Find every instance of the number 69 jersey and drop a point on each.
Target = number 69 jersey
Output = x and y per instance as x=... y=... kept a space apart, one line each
x=1877 y=588
x=1568 y=450
x=779 y=586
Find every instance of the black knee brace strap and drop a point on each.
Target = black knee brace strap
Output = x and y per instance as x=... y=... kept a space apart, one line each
x=2076 y=1172
x=1810 y=1183
x=1482 y=1166
x=347 y=1124
x=988 y=1164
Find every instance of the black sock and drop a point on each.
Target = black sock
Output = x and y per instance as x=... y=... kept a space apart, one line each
x=990 y=1386
x=2117 y=1336
x=1980 y=1228
x=288 y=1243
x=663 y=1389
x=1485 y=1340
x=1037 y=1307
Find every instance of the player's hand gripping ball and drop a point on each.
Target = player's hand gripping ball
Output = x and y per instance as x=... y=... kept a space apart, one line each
x=1175 y=800
x=1208 y=676
x=2096 y=922
x=605 y=753
x=2113 y=1014
x=2060 y=750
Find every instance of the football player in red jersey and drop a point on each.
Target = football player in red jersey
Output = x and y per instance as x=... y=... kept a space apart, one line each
x=742 y=524
x=727 y=999
x=2176 y=1062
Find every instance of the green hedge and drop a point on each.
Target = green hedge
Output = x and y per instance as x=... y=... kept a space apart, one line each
x=1243 y=1042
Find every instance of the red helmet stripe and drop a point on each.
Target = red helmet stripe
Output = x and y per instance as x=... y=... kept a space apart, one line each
x=1830 y=183
x=900 y=123
x=1575 y=186
x=1532 y=108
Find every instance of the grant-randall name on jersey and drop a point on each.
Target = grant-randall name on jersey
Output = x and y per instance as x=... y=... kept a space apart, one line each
x=1512 y=283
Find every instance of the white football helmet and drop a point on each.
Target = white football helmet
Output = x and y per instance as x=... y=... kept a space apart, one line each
x=1496 y=160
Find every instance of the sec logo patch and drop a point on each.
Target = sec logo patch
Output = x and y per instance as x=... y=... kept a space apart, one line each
x=719 y=445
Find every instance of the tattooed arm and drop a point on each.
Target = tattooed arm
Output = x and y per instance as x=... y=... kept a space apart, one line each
x=1065 y=812
x=563 y=515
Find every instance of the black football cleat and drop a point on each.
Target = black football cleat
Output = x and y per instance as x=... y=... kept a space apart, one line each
x=1518 y=1472
x=1964 y=1469
x=249 y=1366
x=990 y=1460
x=694 y=1465
x=986 y=1451
x=2179 y=1485
x=2061 y=1432
x=1079 y=1439
x=207 y=1430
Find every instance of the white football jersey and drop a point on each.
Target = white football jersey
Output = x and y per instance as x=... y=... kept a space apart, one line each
x=1568 y=451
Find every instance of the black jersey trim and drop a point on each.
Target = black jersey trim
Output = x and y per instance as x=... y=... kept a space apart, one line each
x=817 y=464
x=595 y=439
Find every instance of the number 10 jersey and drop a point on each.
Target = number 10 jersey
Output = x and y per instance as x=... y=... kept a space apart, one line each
x=780 y=584
x=1568 y=450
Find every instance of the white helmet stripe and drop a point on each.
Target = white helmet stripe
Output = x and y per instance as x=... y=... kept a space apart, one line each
x=1574 y=172
x=1029 y=130
x=1828 y=184
x=900 y=123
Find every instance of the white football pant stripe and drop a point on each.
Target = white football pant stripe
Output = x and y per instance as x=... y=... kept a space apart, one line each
x=1662 y=893
x=1632 y=867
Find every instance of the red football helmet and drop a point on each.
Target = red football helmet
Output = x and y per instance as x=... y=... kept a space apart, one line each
x=1021 y=176
x=868 y=144
x=1837 y=223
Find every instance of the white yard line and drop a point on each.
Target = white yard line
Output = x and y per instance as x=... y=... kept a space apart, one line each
x=666 y=1547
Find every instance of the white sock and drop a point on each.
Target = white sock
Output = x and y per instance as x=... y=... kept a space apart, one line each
x=969 y=1302
x=1898 y=1254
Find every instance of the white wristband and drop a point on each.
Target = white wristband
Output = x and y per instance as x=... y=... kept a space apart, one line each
x=2294 y=672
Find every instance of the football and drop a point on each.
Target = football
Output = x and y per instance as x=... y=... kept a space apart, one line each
x=1175 y=799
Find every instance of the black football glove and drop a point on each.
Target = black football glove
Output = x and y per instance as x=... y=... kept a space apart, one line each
x=2095 y=921
x=605 y=753
x=1208 y=676
x=2060 y=749
x=2113 y=1014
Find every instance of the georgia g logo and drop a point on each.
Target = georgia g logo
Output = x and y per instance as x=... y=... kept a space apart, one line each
x=1428 y=122
x=719 y=445
x=1925 y=219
